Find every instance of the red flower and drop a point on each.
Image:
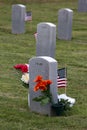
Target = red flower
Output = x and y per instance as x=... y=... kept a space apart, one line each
x=49 y=82
x=18 y=66
x=41 y=84
x=38 y=78
x=22 y=67
x=36 y=88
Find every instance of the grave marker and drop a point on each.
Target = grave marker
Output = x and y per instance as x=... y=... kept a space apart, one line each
x=82 y=5
x=18 y=18
x=65 y=24
x=46 y=39
x=47 y=67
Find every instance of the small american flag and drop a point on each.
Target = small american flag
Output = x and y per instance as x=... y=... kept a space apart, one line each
x=61 y=79
x=28 y=16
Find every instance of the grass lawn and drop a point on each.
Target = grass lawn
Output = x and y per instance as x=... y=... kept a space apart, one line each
x=14 y=49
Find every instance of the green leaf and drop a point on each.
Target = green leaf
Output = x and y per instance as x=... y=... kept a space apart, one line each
x=37 y=99
x=45 y=101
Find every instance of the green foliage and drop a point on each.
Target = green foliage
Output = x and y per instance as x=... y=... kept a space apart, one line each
x=66 y=104
x=42 y=99
x=45 y=98
x=14 y=111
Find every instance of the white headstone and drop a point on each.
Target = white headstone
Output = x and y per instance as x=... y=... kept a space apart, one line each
x=82 y=5
x=47 y=67
x=18 y=18
x=46 y=39
x=65 y=24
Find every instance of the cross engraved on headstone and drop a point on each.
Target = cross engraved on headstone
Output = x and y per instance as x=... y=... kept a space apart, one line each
x=65 y=24
x=82 y=5
x=18 y=18
x=47 y=67
x=46 y=39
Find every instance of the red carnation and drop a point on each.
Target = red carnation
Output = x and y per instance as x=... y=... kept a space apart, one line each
x=22 y=67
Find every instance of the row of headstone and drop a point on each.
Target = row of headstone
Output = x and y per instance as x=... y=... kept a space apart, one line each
x=64 y=19
x=46 y=31
x=64 y=26
x=44 y=64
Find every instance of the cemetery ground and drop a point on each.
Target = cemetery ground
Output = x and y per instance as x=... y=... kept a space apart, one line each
x=16 y=49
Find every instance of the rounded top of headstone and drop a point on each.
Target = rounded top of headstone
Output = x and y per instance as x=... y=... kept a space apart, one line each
x=66 y=9
x=46 y=58
x=50 y=59
x=51 y=24
x=47 y=23
x=20 y=5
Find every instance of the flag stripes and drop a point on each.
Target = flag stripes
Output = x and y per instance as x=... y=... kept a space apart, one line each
x=61 y=79
x=61 y=82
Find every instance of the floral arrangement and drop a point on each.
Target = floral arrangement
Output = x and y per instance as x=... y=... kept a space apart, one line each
x=25 y=78
x=24 y=68
x=64 y=102
x=43 y=86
